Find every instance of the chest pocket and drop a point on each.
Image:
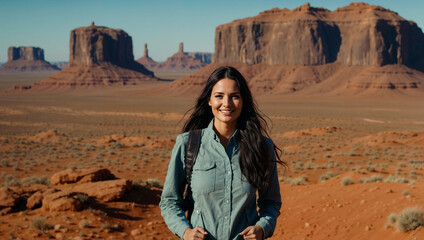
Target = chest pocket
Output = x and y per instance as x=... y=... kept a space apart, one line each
x=203 y=177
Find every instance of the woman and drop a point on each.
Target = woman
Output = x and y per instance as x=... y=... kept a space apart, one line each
x=234 y=161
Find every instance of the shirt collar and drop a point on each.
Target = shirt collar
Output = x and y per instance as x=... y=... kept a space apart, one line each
x=212 y=133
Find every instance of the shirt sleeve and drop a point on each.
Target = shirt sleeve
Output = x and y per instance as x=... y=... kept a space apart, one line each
x=269 y=201
x=170 y=203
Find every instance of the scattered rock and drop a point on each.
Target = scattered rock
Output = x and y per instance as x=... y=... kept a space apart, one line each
x=8 y=200
x=135 y=232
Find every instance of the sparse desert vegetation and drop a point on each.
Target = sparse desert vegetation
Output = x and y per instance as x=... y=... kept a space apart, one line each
x=341 y=168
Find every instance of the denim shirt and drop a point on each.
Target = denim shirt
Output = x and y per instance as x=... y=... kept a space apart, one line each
x=224 y=201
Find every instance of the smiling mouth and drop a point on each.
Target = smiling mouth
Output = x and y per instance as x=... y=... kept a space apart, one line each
x=226 y=112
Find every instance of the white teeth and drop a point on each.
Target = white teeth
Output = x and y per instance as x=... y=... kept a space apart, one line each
x=226 y=111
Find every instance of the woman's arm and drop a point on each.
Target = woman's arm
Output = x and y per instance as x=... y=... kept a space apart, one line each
x=269 y=201
x=170 y=203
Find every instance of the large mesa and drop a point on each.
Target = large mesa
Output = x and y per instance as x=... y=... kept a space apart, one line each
x=99 y=57
x=354 y=50
x=26 y=59
x=358 y=34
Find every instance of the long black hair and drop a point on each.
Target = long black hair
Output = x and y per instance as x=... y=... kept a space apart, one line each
x=254 y=155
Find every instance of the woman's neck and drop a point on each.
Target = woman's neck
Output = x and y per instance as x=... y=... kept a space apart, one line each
x=224 y=132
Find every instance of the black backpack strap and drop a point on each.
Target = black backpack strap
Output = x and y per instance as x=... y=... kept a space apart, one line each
x=193 y=145
x=192 y=149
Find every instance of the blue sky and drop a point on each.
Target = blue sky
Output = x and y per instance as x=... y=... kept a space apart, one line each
x=162 y=24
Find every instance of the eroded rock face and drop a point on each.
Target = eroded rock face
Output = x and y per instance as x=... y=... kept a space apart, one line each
x=94 y=45
x=25 y=53
x=358 y=34
x=22 y=59
x=62 y=201
x=105 y=191
x=81 y=176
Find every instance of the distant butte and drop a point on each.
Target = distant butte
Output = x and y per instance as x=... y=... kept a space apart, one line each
x=147 y=61
x=26 y=59
x=99 y=57
x=354 y=50
x=180 y=61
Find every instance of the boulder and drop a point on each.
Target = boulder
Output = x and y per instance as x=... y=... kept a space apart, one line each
x=81 y=176
x=36 y=199
x=105 y=191
x=8 y=198
x=62 y=201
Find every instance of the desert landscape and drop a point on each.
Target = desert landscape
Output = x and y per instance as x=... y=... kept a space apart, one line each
x=84 y=151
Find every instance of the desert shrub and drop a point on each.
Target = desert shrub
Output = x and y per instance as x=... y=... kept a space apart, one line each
x=396 y=179
x=35 y=180
x=11 y=181
x=83 y=198
x=347 y=181
x=410 y=219
x=295 y=181
x=326 y=176
x=41 y=224
x=90 y=147
x=84 y=224
x=392 y=218
x=105 y=226
x=154 y=182
x=373 y=178
x=405 y=192
x=371 y=169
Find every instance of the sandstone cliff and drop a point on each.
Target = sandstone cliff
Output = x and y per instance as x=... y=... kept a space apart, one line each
x=358 y=34
x=24 y=59
x=99 y=57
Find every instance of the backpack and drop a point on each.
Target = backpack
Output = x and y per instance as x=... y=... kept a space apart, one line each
x=192 y=149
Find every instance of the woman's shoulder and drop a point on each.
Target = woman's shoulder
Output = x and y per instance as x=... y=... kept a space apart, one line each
x=182 y=138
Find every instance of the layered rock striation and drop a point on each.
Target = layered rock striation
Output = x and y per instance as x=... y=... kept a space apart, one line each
x=99 y=57
x=26 y=59
x=358 y=34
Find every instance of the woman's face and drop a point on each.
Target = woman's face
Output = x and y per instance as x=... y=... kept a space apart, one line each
x=226 y=101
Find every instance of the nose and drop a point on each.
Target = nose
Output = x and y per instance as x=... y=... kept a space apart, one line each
x=227 y=101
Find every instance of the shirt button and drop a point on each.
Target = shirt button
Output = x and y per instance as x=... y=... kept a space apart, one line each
x=228 y=187
x=197 y=211
x=227 y=201
x=229 y=172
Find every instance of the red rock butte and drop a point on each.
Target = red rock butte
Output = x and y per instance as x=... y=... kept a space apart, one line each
x=180 y=61
x=26 y=59
x=99 y=57
x=357 y=49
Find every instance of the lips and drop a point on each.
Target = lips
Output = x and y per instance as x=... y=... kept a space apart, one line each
x=226 y=112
